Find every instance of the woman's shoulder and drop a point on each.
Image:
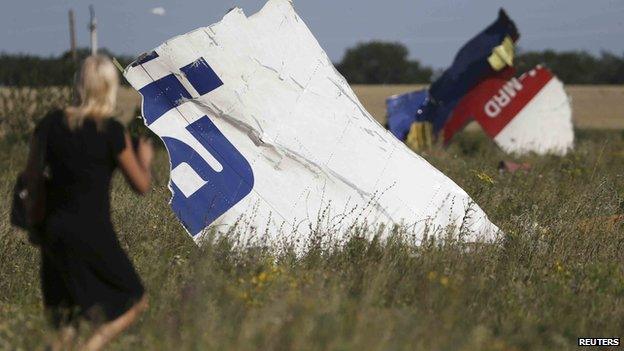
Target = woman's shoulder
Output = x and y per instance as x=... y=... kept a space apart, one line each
x=51 y=118
x=55 y=114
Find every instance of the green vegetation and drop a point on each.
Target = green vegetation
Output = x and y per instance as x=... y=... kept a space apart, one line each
x=576 y=67
x=18 y=113
x=378 y=62
x=374 y=62
x=558 y=274
x=387 y=63
x=34 y=71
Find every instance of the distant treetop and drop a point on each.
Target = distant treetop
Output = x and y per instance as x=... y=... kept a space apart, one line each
x=379 y=62
x=374 y=62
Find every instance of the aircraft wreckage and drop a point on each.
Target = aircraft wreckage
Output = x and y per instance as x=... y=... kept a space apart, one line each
x=265 y=135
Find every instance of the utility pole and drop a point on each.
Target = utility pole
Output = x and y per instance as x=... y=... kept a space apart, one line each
x=72 y=36
x=93 y=29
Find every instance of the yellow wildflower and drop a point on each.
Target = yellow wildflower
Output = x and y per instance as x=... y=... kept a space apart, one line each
x=483 y=176
x=432 y=276
x=444 y=281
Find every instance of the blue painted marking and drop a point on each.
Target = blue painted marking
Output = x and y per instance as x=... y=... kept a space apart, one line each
x=469 y=68
x=161 y=96
x=144 y=58
x=223 y=189
x=201 y=76
x=403 y=111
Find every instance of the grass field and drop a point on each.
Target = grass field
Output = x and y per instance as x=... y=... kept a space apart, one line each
x=557 y=275
x=594 y=106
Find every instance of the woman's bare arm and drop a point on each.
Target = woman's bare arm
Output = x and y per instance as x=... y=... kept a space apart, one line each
x=136 y=166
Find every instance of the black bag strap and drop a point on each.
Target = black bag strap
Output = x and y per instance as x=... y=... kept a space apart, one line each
x=42 y=132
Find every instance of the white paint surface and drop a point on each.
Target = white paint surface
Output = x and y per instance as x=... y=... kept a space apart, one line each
x=320 y=160
x=543 y=126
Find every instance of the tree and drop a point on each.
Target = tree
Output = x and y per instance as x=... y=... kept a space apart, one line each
x=576 y=67
x=379 y=62
x=35 y=71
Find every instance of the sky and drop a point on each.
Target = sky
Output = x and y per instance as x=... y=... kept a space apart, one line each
x=433 y=31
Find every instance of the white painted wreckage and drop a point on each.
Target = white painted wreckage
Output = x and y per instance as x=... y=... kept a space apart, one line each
x=265 y=136
x=530 y=113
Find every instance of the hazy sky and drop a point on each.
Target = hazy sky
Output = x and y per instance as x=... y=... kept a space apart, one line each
x=432 y=30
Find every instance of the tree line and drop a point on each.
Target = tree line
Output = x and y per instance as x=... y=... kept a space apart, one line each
x=36 y=71
x=388 y=63
x=373 y=62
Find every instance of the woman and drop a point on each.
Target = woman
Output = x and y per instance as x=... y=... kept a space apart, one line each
x=85 y=273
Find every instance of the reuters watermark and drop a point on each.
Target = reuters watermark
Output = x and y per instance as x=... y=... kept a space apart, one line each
x=598 y=342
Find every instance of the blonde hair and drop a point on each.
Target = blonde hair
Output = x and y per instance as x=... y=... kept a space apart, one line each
x=96 y=88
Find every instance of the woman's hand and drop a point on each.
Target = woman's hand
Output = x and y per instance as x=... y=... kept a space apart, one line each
x=145 y=153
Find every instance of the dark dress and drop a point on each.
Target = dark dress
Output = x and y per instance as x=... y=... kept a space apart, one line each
x=84 y=270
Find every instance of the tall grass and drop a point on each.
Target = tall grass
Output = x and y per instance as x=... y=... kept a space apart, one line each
x=20 y=108
x=557 y=275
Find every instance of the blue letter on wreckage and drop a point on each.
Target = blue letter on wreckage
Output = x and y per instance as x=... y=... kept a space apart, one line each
x=221 y=190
